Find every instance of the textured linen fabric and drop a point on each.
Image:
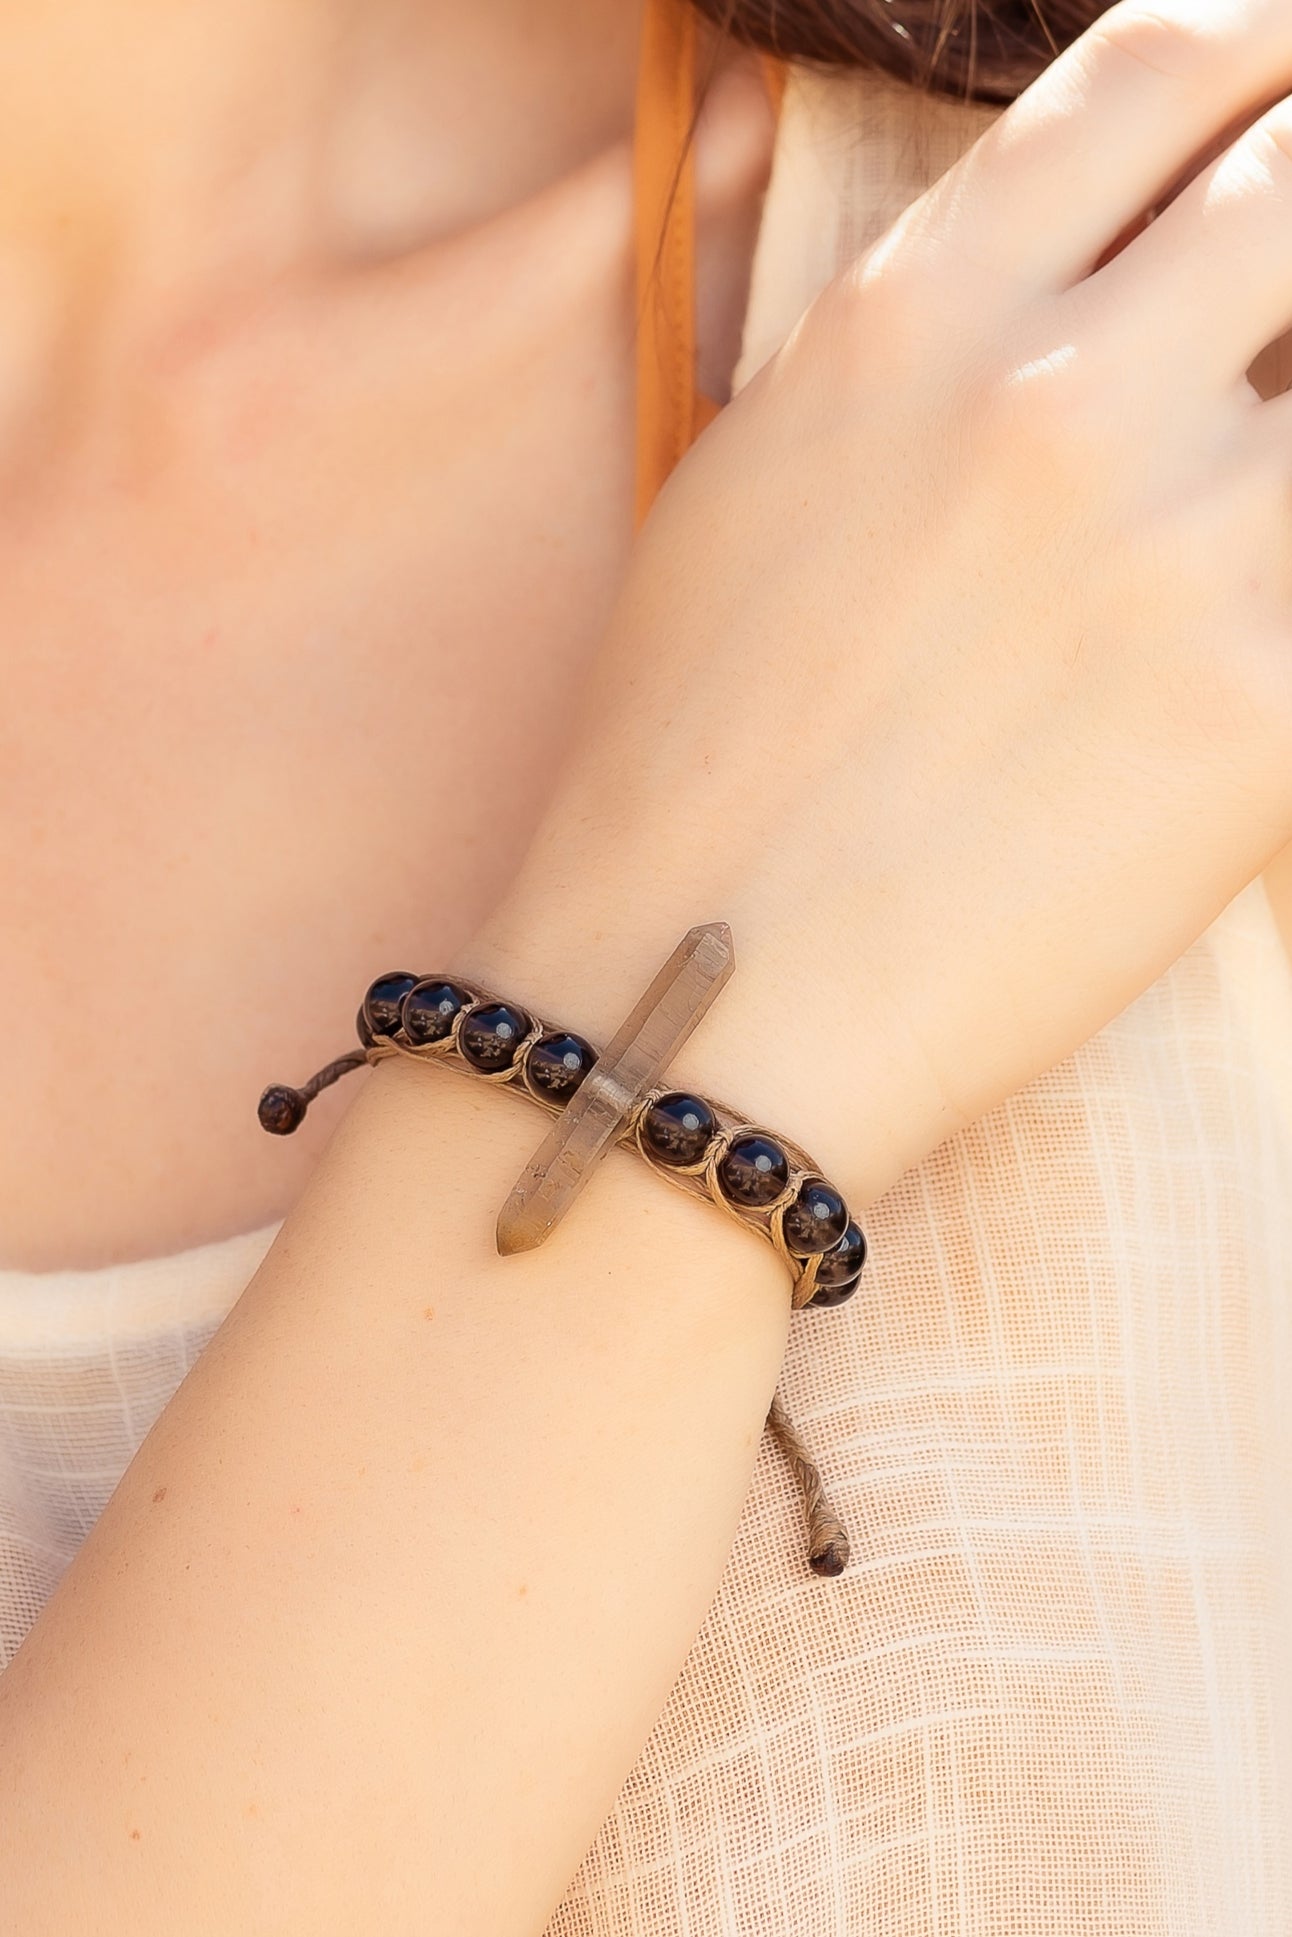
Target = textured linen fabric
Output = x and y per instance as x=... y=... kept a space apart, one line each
x=87 y=1361
x=1053 y=1691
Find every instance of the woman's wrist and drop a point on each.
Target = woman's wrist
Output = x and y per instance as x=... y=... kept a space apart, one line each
x=800 y=1040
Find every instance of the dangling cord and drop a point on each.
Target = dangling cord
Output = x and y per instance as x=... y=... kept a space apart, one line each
x=827 y=1536
x=282 y=1109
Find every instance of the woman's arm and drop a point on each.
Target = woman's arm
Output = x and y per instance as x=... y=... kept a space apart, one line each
x=955 y=674
x=379 y=1616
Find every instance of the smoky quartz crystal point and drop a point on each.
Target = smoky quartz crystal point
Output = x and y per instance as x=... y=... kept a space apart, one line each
x=631 y=1064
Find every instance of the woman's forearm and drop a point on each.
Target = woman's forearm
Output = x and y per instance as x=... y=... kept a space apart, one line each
x=381 y=1613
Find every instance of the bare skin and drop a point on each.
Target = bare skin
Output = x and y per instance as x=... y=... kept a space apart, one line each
x=315 y=475
x=400 y=284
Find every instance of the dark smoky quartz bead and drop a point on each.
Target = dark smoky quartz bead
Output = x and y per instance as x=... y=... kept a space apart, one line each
x=281 y=1109
x=678 y=1128
x=557 y=1064
x=817 y=1218
x=490 y=1033
x=753 y=1172
x=428 y=1009
x=840 y=1268
x=381 y=1004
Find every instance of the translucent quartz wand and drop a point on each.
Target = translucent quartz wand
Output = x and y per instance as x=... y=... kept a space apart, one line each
x=641 y=1049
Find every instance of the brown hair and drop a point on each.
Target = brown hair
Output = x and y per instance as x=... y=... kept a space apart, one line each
x=986 y=49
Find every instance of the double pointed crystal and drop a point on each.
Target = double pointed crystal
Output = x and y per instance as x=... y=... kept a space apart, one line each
x=642 y=1048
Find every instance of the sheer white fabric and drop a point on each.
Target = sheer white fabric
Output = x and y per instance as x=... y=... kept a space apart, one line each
x=1053 y=1692
x=87 y=1361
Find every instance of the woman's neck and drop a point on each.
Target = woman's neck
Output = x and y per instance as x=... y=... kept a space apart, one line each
x=155 y=153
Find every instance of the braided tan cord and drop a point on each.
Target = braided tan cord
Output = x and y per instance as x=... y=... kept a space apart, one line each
x=828 y=1547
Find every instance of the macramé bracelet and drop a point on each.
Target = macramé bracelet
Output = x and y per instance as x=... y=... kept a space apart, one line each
x=615 y=1096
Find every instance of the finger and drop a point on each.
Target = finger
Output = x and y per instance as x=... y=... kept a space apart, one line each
x=1209 y=284
x=1104 y=133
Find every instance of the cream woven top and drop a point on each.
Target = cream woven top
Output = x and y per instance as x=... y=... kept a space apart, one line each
x=1052 y=1694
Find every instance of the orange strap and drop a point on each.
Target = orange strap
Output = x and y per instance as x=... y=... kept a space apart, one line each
x=664 y=222
x=670 y=411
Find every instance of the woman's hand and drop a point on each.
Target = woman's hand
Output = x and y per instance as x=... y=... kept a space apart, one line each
x=955 y=669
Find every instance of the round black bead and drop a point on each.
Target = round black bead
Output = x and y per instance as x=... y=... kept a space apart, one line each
x=362 y=1029
x=428 y=1009
x=840 y=1268
x=678 y=1128
x=281 y=1109
x=490 y=1034
x=753 y=1172
x=817 y=1218
x=381 y=1004
x=557 y=1064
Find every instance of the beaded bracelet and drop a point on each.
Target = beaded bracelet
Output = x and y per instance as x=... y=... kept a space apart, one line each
x=766 y=1182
